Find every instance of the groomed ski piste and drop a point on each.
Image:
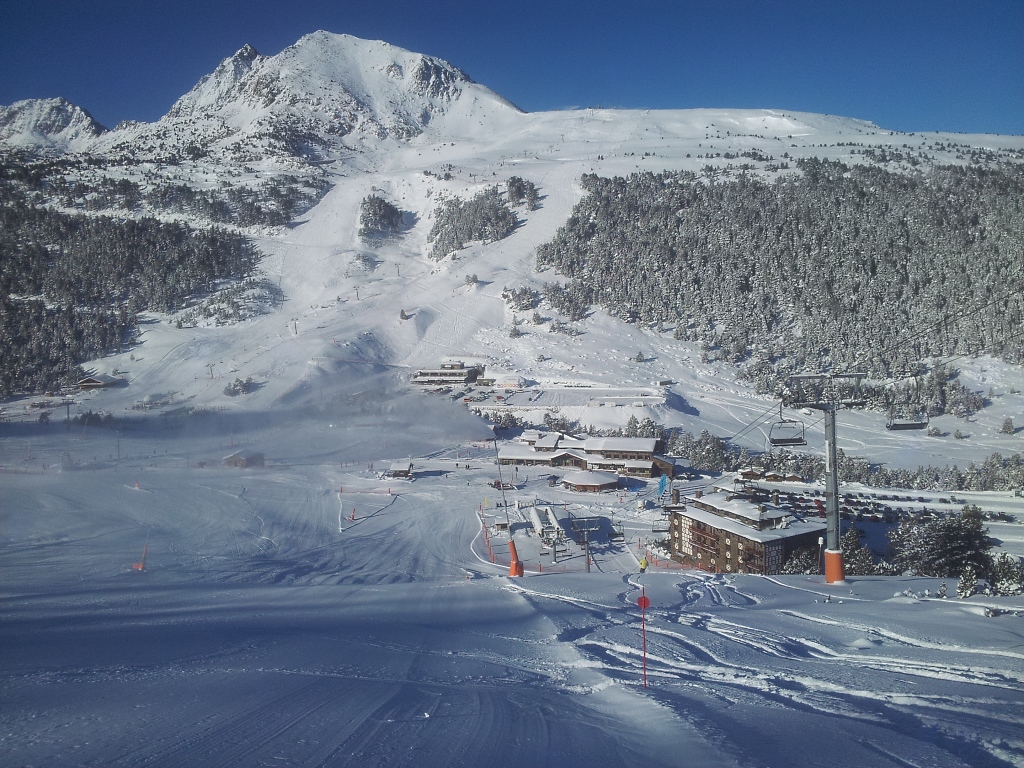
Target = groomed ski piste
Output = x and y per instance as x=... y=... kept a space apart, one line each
x=314 y=611
x=268 y=626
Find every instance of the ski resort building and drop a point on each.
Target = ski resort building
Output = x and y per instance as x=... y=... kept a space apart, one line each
x=591 y=481
x=455 y=373
x=100 y=381
x=727 y=532
x=635 y=456
x=244 y=458
x=401 y=468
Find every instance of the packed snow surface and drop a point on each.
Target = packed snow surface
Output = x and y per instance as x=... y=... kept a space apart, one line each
x=312 y=613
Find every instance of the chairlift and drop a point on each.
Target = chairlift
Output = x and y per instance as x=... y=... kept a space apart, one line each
x=786 y=431
x=918 y=420
x=618 y=532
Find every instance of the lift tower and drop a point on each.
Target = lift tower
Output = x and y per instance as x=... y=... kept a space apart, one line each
x=829 y=401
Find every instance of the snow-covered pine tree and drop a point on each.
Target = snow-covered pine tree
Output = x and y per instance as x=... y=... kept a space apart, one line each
x=968 y=584
x=378 y=217
x=1007 y=577
x=857 y=559
x=803 y=561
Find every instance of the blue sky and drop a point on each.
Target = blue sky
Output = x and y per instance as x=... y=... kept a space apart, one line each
x=904 y=64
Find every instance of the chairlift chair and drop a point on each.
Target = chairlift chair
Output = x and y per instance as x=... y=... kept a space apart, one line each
x=786 y=431
x=918 y=420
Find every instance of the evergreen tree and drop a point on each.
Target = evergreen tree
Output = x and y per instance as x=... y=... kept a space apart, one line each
x=802 y=561
x=378 y=217
x=857 y=559
x=1007 y=576
x=942 y=547
x=968 y=583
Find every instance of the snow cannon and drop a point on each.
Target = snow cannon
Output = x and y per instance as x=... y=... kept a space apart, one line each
x=834 y=569
x=515 y=568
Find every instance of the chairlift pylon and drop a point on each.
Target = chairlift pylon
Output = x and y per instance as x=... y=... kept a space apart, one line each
x=786 y=431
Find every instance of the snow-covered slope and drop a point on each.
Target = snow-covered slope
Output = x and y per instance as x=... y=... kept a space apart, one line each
x=47 y=124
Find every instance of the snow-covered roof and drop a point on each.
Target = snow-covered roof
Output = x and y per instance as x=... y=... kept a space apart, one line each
x=794 y=526
x=738 y=506
x=590 y=477
x=638 y=444
x=246 y=453
x=99 y=380
x=549 y=440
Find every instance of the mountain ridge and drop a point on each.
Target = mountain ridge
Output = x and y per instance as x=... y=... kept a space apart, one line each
x=53 y=123
x=301 y=101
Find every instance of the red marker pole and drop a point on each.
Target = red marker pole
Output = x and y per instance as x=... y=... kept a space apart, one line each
x=643 y=601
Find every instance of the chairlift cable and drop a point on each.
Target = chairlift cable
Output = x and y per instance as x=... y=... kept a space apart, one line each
x=946 y=319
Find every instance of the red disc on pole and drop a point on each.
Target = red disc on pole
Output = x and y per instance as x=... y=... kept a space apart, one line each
x=644 y=602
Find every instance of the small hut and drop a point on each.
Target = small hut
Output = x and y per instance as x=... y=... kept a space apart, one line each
x=401 y=468
x=244 y=458
x=100 y=381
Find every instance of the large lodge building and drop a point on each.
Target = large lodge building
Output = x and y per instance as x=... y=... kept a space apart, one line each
x=737 y=532
x=636 y=456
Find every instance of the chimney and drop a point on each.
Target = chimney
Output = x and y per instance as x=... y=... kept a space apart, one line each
x=675 y=495
x=698 y=494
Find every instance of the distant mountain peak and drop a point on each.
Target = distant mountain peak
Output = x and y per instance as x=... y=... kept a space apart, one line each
x=324 y=87
x=47 y=123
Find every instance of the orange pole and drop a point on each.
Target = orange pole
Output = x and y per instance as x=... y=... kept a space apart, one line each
x=515 y=568
x=141 y=566
x=834 y=568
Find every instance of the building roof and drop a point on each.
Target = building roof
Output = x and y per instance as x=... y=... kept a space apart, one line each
x=791 y=525
x=550 y=440
x=246 y=454
x=638 y=444
x=739 y=506
x=101 y=380
x=590 y=477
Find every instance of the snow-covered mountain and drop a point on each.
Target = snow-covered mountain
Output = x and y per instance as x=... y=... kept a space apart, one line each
x=346 y=117
x=47 y=124
x=304 y=100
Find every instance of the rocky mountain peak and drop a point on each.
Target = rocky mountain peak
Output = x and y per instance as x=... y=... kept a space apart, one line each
x=47 y=123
